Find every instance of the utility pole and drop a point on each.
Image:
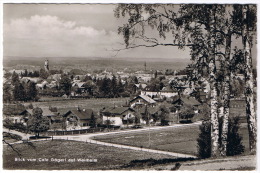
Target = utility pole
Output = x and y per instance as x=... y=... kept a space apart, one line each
x=149 y=131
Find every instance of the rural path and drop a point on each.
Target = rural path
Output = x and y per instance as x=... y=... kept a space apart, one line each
x=24 y=136
x=89 y=138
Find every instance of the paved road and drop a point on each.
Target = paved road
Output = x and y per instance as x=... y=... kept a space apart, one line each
x=89 y=138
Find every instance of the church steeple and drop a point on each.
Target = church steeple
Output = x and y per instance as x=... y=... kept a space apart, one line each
x=46 y=65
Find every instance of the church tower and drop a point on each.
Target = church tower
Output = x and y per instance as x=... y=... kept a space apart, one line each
x=46 y=65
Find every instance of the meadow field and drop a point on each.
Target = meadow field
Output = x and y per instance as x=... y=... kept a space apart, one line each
x=100 y=157
x=180 y=139
x=93 y=103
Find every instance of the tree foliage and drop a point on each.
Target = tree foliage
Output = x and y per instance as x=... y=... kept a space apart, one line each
x=25 y=91
x=234 y=140
x=19 y=92
x=186 y=112
x=208 y=30
x=31 y=92
x=7 y=95
x=37 y=123
x=43 y=74
x=15 y=78
x=204 y=140
x=164 y=115
x=65 y=84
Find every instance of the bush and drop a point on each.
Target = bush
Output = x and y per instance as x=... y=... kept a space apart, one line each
x=186 y=113
x=204 y=140
x=15 y=126
x=234 y=140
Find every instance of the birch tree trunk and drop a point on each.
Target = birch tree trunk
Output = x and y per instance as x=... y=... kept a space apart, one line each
x=213 y=88
x=223 y=147
x=249 y=84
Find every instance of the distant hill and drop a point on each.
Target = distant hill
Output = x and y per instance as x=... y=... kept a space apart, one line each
x=91 y=63
x=96 y=63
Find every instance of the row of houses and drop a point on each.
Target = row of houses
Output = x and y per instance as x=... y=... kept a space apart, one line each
x=81 y=118
x=200 y=93
x=75 y=118
x=62 y=119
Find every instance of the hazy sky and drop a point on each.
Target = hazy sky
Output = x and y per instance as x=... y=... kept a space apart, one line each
x=71 y=30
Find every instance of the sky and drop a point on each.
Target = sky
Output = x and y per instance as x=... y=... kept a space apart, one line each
x=70 y=30
x=73 y=30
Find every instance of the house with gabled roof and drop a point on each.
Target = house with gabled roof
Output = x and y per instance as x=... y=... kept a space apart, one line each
x=139 y=87
x=78 y=87
x=186 y=101
x=77 y=118
x=144 y=111
x=142 y=100
x=78 y=84
x=42 y=84
x=16 y=113
x=118 y=116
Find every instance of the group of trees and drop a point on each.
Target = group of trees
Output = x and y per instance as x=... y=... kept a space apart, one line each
x=37 y=123
x=110 y=87
x=40 y=73
x=234 y=139
x=186 y=113
x=25 y=91
x=209 y=31
x=93 y=87
x=19 y=91
x=106 y=87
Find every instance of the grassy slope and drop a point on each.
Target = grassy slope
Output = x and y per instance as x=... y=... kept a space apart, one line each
x=107 y=157
x=227 y=163
x=181 y=139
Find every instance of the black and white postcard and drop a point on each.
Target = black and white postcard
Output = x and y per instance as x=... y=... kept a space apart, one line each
x=129 y=86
